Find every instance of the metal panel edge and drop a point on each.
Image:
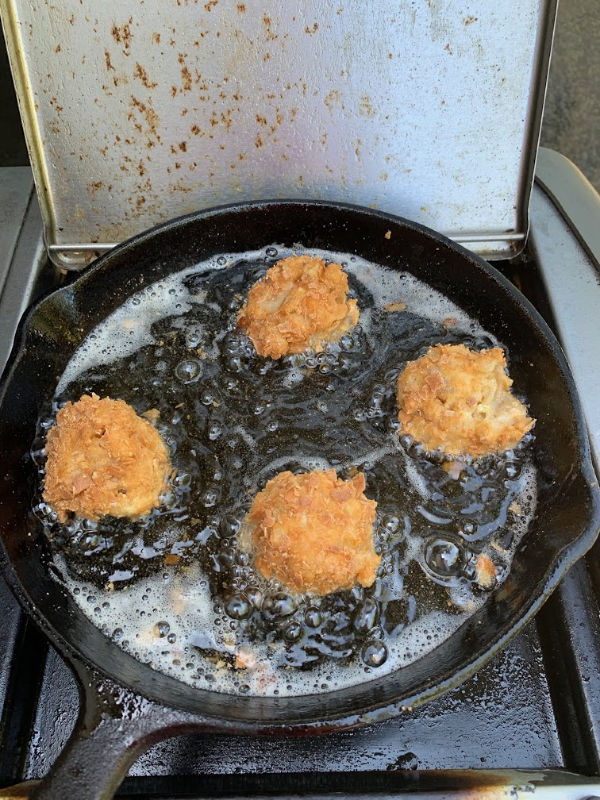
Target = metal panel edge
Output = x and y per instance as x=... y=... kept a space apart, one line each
x=33 y=140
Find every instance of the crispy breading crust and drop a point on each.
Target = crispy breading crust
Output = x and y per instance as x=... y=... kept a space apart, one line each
x=300 y=304
x=459 y=401
x=314 y=532
x=104 y=459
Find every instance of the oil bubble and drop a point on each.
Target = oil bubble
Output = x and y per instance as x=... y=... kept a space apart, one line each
x=279 y=604
x=293 y=632
x=312 y=617
x=366 y=616
x=238 y=607
x=374 y=653
x=161 y=629
x=229 y=526
x=443 y=558
x=188 y=370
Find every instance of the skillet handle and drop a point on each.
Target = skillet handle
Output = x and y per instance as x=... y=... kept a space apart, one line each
x=115 y=726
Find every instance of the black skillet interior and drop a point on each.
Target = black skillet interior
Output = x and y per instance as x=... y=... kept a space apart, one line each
x=567 y=516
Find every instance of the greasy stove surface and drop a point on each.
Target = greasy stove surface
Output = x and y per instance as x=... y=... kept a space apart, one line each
x=535 y=706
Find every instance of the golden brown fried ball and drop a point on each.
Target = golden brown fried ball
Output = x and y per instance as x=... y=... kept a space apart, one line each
x=300 y=304
x=104 y=459
x=314 y=532
x=459 y=401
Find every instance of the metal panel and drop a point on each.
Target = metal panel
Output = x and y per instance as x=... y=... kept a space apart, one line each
x=139 y=110
x=569 y=271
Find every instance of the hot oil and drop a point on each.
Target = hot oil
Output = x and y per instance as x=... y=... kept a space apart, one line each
x=178 y=589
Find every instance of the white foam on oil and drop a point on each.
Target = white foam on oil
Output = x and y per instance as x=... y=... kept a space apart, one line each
x=128 y=328
x=170 y=620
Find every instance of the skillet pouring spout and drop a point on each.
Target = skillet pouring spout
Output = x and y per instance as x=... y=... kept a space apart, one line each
x=127 y=705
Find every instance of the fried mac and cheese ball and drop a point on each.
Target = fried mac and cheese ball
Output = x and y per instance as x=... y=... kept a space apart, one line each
x=102 y=458
x=459 y=401
x=300 y=304
x=314 y=532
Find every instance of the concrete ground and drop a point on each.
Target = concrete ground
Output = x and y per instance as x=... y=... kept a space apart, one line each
x=571 y=120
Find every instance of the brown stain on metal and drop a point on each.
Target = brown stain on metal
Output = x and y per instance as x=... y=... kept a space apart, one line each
x=57 y=49
x=269 y=35
x=258 y=142
x=241 y=7
x=140 y=73
x=122 y=35
x=94 y=187
x=469 y=20
x=332 y=98
x=156 y=38
x=186 y=75
x=365 y=108
x=109 y=65
x=183 y=146
x=211 y=4
x=312 y=30
x=150 y=115
x=195 y=129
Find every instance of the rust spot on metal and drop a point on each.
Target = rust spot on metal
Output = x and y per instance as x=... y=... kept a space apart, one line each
x=270 y=36
x=183 y=146
x=173 y=91
x=331 y=99
x=109 y=65
x=470 y=19
x=156 y=38
x=314 y=28
x=57 y=49
x=211 y=4
x=241 y=7
x=449 y=49
x=261 y=120
x=122 y=35
x=141 y=168
x=186 y=75
x=150 y=115
x=258 y=142
x=94 y=187
x=140 y=72
x=365 y=108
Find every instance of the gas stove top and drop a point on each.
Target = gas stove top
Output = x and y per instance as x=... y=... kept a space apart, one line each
x=535 y=708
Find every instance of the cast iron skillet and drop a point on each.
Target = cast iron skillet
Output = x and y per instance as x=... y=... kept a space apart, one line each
x=126 y=705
